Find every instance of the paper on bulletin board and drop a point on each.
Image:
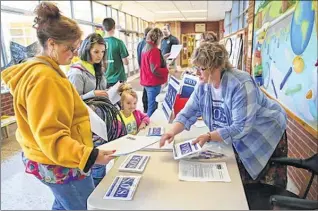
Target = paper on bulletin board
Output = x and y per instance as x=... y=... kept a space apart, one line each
x=170 y=98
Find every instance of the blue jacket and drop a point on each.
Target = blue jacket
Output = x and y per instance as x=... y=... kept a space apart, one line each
x=245 y=118
x=140 y=46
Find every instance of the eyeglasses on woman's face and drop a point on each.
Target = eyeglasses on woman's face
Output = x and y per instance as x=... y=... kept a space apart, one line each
x=200 y=68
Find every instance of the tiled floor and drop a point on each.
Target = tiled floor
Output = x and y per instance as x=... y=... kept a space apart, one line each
x=20 y=191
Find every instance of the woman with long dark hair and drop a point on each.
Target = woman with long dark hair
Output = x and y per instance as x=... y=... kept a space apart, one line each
x=87 y=75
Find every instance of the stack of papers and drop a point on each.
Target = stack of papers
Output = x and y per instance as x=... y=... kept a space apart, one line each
x=185 y=149
x=204 y=172
x=134 y=163
x=129 y=144
x=156 y=147
x=123 y=188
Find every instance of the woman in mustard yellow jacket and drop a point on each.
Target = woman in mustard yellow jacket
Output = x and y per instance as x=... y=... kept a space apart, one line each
x=53 y=122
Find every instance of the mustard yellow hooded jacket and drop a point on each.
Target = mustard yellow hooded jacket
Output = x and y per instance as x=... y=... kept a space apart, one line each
x=53 y=121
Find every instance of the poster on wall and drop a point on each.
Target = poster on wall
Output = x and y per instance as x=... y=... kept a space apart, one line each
x=285 y=54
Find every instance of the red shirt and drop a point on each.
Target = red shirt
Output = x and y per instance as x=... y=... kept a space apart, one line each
x=153 y=70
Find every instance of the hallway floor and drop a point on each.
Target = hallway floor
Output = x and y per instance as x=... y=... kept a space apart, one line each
x=21 y=191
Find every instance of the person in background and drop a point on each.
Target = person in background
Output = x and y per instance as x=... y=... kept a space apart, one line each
x=86 y=75
x=134 y=119
x=117 y=55
x=243 y=116
x=154 y=71
x=53 y=123
x=140 y=46
x=209 y=37
x=168 y=40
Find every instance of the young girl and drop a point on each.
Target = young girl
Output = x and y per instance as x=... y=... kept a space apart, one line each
x=134 y=120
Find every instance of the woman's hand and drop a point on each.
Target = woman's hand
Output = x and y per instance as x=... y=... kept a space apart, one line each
x=202 y=139
x=101 y=93
x=104 y=157
x=142 y=126
x=166 y=137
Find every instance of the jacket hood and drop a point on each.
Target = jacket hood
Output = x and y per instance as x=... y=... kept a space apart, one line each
x=12 y=75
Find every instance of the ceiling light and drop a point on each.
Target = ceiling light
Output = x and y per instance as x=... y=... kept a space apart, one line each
x=168 y=11
x=193 y=10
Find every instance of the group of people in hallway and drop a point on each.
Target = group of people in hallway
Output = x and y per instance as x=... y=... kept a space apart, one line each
x=53 y=122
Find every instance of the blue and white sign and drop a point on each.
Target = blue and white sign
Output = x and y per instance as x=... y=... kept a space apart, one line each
x=135 y=163
x=122 y=188
x=188 y=84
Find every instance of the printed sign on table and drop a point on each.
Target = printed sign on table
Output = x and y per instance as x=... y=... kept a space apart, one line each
x=168 y=103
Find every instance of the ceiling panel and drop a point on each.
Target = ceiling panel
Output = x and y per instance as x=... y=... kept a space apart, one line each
x=183 y=5
x=154 y=10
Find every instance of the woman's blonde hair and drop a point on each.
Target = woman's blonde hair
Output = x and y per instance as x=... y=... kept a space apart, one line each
x=124 y=90
x=209 y=37
x=211 y=55
x=154 y=35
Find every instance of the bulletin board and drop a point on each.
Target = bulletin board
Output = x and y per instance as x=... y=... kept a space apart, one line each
x=285 y=56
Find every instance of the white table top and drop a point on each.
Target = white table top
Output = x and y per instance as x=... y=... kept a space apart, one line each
x=160 y=188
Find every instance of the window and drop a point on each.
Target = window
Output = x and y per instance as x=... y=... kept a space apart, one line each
x=23 y=5
x=140 y=27
x=135 y=24
x=236 y=19
x=17 y=28
x=87 y=29
x=64 y=6
x=114 y=15
x=128 y=22
x=145 y=25
x=235 y=15
x=109 y=11
x=227 y=23
x=99 y=13
x=82 y=10
x=122 y=20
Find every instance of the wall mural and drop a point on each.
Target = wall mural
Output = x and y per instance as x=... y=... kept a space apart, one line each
x=285 y=54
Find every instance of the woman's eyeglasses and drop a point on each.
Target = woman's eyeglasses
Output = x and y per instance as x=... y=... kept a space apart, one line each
x=72 y=49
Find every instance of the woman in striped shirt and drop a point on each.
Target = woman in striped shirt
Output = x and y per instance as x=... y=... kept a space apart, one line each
x=237 y=112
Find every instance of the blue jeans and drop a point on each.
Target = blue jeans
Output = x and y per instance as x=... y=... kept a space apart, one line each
x=152 y=92
x=72 y=195
x=98 y=173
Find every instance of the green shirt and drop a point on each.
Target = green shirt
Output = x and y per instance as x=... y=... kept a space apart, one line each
x=116 y=51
